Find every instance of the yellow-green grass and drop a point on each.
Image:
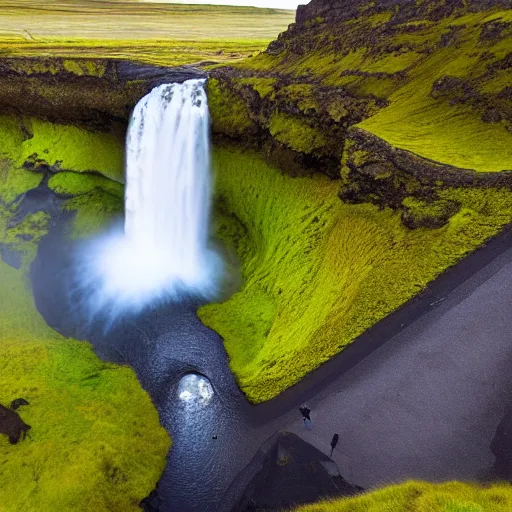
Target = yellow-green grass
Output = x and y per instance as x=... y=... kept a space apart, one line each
x=75 y=183
x=65 y=147
x=24 y=236
x=162 y=52
x=97 y=200
x=424 y=497
x=93 y=211
x=96 y=444
x=437 y=130
x=164 y=34
x=295 y=133
x=446 y=127
x=318 y=272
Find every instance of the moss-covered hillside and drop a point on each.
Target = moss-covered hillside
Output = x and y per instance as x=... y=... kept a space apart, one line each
x=95 y=442
x=431 y=80
x=406 y=106
x=424 y=497
x=319 y=272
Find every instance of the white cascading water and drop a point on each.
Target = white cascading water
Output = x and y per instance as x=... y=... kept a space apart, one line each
x=163 y=253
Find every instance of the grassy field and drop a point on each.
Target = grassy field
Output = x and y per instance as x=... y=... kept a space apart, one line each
x=88 y=418
x=169 y=34
x=424 y=497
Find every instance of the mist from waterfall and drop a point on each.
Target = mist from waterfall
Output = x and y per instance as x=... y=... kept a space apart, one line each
x=163 y=252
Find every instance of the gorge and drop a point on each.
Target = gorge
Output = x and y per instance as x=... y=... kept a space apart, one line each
x=360 y=157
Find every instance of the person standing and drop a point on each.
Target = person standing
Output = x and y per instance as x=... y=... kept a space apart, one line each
x=306 y=416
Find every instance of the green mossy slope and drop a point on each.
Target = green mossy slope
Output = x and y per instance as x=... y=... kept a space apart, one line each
x=37 y=145
x=432 y=79
x=95 y=443
x=75 y=183
x=424 y=497
x=68 y=147
x=319 y=272
x=95 y=200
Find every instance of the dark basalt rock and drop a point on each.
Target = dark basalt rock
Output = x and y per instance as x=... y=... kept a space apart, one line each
x=11 y=424
x=289 y=472
x=16 y=404
x=495 y=30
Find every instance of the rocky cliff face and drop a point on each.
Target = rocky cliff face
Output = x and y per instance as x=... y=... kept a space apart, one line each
x=395 y=98
x=91 y=92
x=337 y=10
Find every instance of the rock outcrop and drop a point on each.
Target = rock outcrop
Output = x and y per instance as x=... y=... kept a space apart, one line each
x=91 y=92
x=12 y=425
x=286 y=472
x=432 y=9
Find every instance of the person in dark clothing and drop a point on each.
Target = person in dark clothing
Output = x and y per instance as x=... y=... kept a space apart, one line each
x=306 y=418
x=305 y=411
x=334 y=442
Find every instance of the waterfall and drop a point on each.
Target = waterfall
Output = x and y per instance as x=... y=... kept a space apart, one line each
x=167 y=200
x=163 y=252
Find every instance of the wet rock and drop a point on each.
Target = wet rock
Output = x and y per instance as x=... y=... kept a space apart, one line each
x=10 y=256
x=11 y=424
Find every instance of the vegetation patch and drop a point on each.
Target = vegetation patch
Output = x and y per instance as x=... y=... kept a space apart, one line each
x=39 y=145
x=230 y=115
x=428 y=213
x=75 y=183
x=296 y=133
x=422 y=497
x=95 y=442
x=93 y=211
x=69 y=147
x=263 y=86
x=318 y=272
